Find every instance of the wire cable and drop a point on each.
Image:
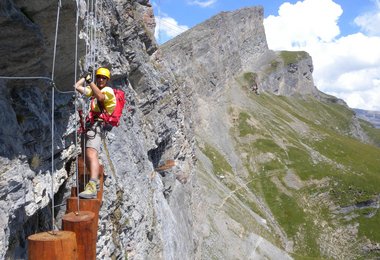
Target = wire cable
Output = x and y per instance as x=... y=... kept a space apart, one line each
x=94 y=27
x=52 y=116
x=27 y=78
x=75 y=103
x=88 y=65
x=37 y=78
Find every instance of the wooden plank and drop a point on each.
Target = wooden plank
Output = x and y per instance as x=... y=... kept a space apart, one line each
x=166 y=166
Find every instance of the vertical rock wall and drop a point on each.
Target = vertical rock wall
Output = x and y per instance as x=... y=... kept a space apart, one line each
x=145 y=214
x=217 y=50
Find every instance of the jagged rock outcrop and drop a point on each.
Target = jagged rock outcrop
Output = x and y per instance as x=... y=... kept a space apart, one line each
x=16 y=26
x=209 y=59
x=144 y=214
x=245 y=143
x=370 y=116
x=286 y=73
x=218 y=50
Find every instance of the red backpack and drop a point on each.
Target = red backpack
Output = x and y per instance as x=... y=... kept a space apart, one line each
x=114 y=118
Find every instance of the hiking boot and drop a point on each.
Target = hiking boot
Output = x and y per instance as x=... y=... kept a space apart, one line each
x=97 y=184
x=90 y=191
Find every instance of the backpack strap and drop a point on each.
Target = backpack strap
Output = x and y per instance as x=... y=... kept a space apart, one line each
x=104 y=114
x=92 y=115
x=101 y=105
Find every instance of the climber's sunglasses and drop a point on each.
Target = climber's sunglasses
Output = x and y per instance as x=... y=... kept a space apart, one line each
x=101 y=77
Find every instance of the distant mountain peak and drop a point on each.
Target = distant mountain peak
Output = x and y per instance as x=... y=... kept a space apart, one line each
x=234 y=43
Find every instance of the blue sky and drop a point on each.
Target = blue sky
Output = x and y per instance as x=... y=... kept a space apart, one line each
x=342 y=36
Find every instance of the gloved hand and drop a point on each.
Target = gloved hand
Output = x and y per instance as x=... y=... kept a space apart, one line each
x=87 y=76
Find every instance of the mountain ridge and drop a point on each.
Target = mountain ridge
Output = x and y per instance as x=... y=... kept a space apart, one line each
x=255 y=176
x=273 y=151
x=369 y=115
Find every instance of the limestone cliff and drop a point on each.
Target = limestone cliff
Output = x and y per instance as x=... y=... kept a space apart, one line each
x=253 y=151
x=209 y=59
x=272 y=150
x=144 y=215
x=231 y=43
x=371 y=116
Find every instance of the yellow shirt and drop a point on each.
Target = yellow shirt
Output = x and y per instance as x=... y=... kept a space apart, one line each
x=109 y=101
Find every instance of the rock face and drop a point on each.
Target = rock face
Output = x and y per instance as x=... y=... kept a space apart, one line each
x=286 y=73
x=216 y=50
x=231 y=43
x=174 y=93
x=225 y=61
x=144 y=214
x=209 y=59
x=370 y=116
x=16 y=55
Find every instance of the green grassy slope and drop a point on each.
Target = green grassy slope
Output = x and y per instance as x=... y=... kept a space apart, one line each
x=320 y=183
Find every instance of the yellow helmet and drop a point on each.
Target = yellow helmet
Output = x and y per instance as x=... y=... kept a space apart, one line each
x=104 y=72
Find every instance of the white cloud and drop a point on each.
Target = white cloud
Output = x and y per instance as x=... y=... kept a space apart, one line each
x=167 y=28
x=303 y=23
x=369 y=22
x=204 y=3
x=345 y=66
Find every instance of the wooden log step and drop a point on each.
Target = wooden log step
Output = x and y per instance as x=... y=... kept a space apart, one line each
x=92 y=205
x=82 y=224
x=166 y=166
x=52 y=245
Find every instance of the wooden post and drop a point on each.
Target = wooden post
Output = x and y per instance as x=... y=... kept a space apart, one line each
x=77 y=221
x=52 y=245
x=166 y=166
x=92 y=205
x=82 y=224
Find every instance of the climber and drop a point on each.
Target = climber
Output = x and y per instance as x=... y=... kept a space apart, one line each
x=103 y=100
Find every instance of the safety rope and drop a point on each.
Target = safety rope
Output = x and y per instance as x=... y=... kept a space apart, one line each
x=91 y=22
x=87 y=35
x=90 y=57
x=88 y=64
x=112 y=167
x=95 y=38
